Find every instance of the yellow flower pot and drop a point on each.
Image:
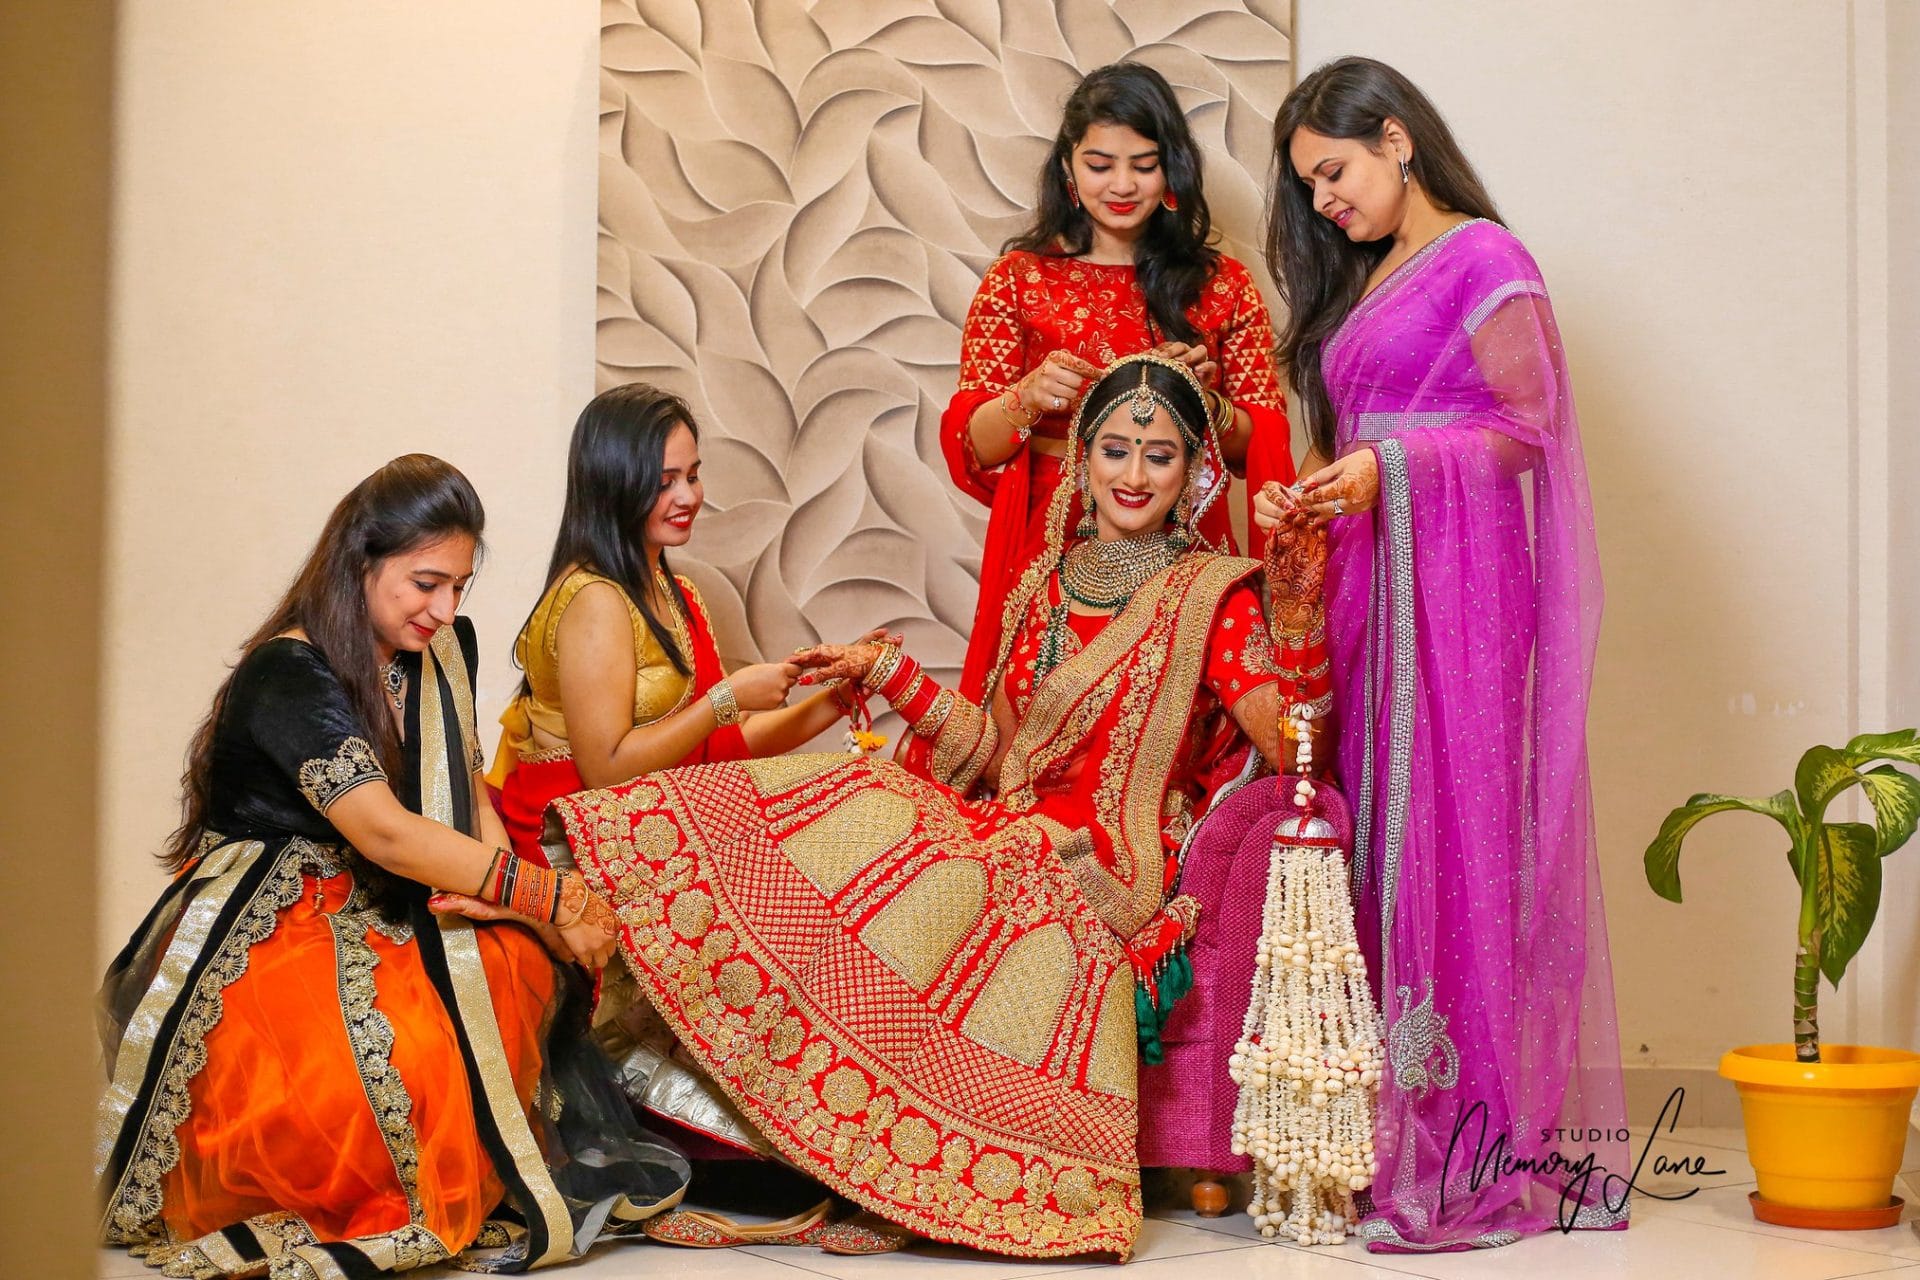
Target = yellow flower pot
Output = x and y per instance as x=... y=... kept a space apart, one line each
x=1825 y=1136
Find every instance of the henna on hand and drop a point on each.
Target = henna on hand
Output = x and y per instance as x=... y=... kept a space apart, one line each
x=599 y=914
x=1075 y=364
x=837 y=661
x=1296 y=577
x=465 y=904
x=572 y=898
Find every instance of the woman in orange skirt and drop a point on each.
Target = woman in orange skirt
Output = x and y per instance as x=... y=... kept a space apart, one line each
x=320 y=1066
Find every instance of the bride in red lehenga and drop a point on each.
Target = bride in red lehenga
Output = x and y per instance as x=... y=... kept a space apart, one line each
x=920 y=982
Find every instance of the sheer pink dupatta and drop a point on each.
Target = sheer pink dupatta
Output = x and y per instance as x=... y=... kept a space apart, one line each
x=1463 y=616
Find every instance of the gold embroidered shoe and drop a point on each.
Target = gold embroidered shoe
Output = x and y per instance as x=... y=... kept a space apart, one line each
x=704 y=1229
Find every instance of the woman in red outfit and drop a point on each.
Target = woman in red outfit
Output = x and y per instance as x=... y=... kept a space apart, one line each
x=1116 y=262
x=921 y=984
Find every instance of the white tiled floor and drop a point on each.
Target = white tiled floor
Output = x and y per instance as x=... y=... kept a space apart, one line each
x=1708 y=1235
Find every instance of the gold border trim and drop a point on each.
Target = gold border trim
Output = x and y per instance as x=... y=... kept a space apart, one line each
x=469 y=978
x=136 y=1201
x=436 y=782
x=453 y=661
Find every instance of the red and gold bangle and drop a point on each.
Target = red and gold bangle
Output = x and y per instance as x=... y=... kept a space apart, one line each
x=911 y=691
x=903 y=683
x=919 y=703
x=1305 y=661
x=929 y=723
x=524 y=888
x=898 y=680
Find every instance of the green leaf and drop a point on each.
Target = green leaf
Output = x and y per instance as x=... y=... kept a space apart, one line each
x=1846 y=890
x=1822 y=774
x=1663 y=855
x=1896 y=805
x=1902 y=744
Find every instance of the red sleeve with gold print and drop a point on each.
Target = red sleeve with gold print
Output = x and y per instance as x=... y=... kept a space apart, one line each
x=1240 y=654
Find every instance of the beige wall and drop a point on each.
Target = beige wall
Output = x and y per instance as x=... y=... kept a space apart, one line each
x=342 y=232
x=792 y=229
x=350 y=231
x=1714 y=238
x=1900 y=1002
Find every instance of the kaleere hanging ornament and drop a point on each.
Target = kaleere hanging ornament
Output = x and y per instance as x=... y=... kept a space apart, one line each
x=1309 y=1059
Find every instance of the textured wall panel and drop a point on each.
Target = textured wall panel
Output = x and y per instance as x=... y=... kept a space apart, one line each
x=796 y=203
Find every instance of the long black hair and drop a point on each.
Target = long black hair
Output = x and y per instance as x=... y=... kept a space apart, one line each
x=1172 y=257
x=1321 y=274
x=411 y=502
x=614 y=467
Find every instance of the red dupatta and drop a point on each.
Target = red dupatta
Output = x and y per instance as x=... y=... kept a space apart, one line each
x=1117 y=715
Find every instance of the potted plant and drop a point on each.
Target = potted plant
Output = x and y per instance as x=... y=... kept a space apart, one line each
x=1826 y=1124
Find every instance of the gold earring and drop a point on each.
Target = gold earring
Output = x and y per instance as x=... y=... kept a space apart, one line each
x=1182 y=537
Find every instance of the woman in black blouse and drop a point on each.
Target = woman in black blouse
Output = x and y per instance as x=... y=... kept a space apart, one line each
x=320 y=1062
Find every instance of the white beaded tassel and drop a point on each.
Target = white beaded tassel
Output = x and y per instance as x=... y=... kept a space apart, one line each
x=1309 y=1059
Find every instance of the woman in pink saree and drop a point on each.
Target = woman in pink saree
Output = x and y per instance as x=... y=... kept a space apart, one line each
x=1463 y=595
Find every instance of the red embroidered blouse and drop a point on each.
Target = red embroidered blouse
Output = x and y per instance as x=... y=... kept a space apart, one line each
x=1029 y=304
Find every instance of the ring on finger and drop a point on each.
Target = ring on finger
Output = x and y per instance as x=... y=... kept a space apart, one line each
x=1339 y=507
x=1057 y=402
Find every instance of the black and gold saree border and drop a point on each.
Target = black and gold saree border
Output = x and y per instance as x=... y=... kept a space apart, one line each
x=234 y=899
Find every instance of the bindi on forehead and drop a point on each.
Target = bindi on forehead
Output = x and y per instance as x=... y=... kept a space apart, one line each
x=1146 y=438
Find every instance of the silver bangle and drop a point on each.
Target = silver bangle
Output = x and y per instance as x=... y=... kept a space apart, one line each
x=726 y=708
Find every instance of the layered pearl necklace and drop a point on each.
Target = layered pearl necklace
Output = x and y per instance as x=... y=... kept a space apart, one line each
x=1309 y=1058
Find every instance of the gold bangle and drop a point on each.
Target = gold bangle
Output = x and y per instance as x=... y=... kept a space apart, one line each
x=726 y=708
x=1223 y=423
x=883 y=667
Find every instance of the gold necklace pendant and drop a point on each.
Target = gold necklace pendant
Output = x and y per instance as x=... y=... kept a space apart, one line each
x=1104 y=575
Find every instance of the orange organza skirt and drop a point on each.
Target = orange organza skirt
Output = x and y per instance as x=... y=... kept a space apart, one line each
x=328 y=1013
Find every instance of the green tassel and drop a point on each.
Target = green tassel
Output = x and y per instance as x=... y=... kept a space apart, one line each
x=1176 y=980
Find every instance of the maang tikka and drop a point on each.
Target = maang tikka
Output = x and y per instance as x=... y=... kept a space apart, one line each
x=1140 y=408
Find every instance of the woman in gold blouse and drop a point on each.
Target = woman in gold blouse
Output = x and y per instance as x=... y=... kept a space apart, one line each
x=622 y=674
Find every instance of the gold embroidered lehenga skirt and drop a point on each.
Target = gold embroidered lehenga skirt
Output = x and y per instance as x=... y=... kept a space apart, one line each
x=905 y=992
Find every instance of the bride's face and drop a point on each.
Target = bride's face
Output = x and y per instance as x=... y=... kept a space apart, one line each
x=1135 y=473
